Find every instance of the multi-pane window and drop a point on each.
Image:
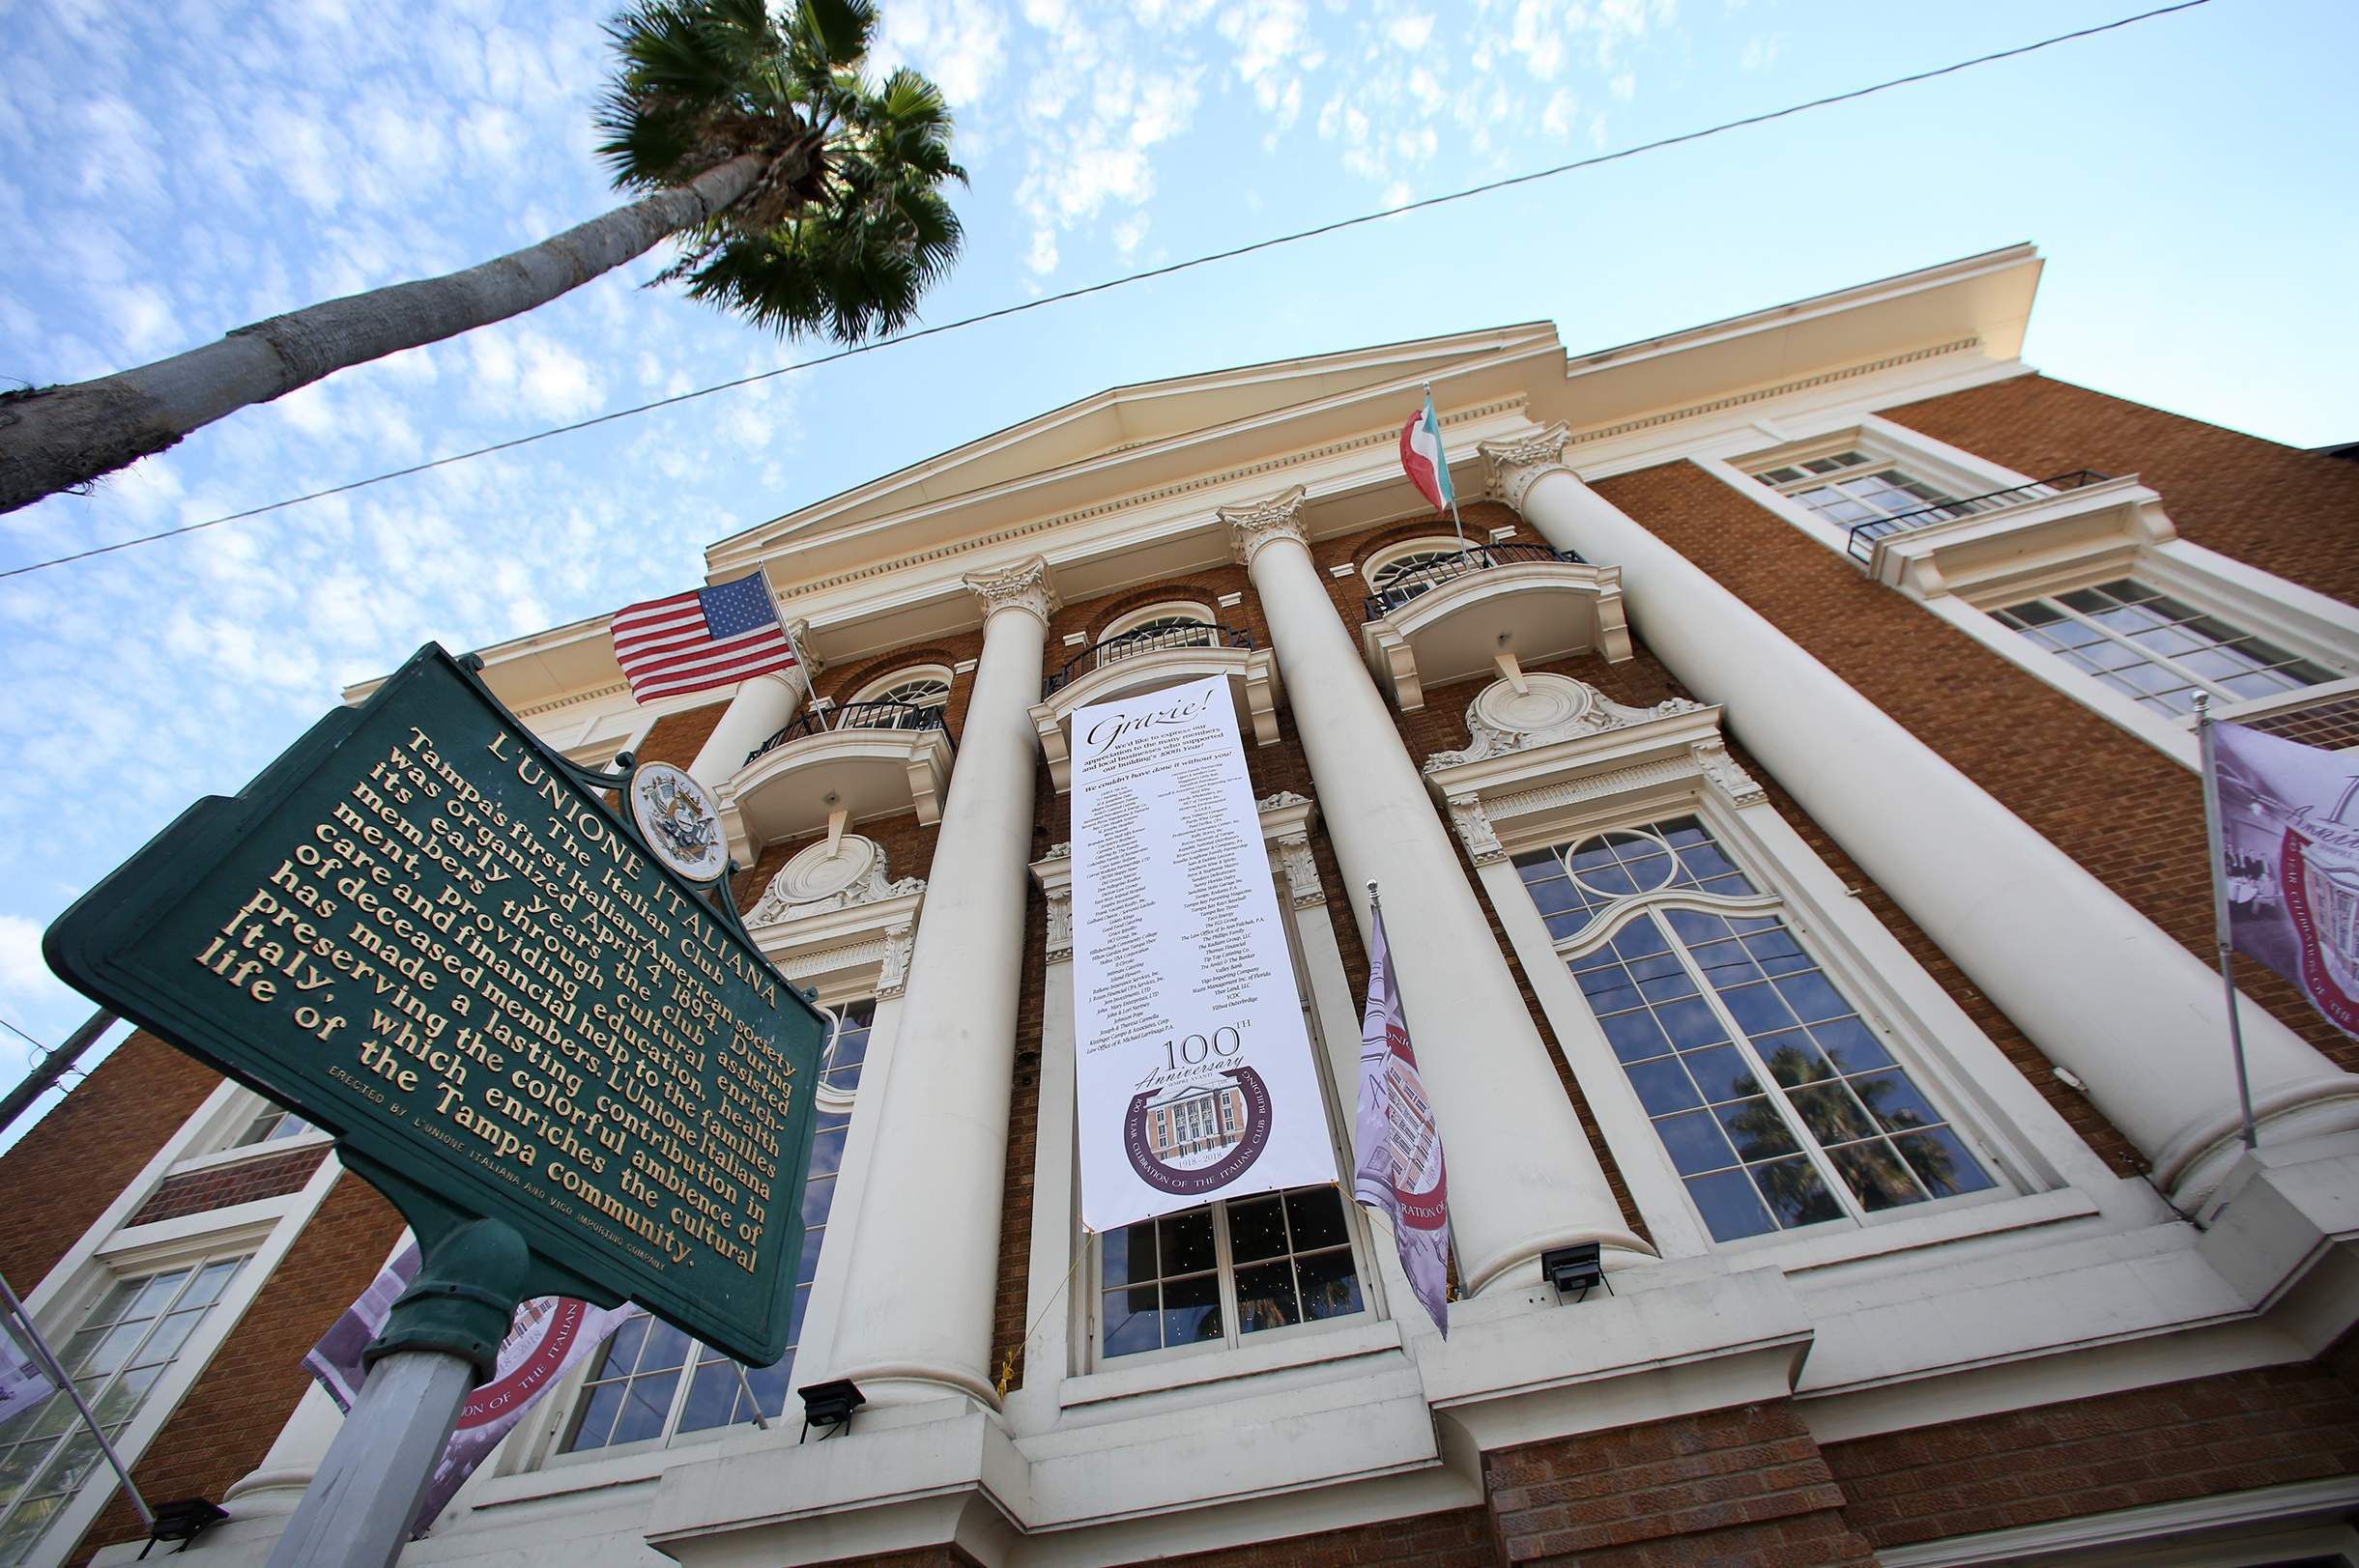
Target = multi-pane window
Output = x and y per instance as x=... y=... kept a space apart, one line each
x=1852 y=488
x=651 y=1381
x=269 y=1125
x=124 y=1347
x=1776 y=1102
x=1215 y=1274
x=1403 y=576
x=1181 y=628
x=2158 y=649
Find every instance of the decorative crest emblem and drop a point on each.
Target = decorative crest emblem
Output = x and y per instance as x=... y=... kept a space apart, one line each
x=679 y=820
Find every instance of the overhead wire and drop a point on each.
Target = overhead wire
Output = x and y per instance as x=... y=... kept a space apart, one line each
x=1104 y=285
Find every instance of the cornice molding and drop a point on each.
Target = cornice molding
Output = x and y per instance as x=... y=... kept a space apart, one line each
x=1218 y=479
x=1763 y=395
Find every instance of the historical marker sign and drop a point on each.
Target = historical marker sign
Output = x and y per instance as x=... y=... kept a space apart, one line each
x=419 y=930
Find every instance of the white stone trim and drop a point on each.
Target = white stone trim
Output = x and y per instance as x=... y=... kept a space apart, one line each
x=1622 y=766
x=2162 y=1528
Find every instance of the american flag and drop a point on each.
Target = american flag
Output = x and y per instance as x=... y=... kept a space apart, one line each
x=704 y=638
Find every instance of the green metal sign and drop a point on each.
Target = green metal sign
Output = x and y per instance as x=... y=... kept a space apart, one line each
x=433 y=936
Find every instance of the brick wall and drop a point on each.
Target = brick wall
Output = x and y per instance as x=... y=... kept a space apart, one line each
x=2280 y=508
x=248 y=1181
x=2131 y=815
x=109 y=1127
x=1744 y=1487
x=231 y=1414
x=677 y=737
x=1460 y=1538
x=2089 y=1456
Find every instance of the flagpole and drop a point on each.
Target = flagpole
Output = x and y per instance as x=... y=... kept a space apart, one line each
x=2214 y=838
x=65 y=1384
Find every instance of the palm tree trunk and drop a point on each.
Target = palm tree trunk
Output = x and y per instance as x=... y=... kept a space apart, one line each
x=55 y=437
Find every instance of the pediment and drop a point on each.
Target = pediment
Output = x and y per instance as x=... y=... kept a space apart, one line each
x=1125 y=419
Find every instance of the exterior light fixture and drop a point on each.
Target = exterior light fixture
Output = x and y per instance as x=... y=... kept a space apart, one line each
x=1574 y=1268
x=183 y=1521
x=829 y=1405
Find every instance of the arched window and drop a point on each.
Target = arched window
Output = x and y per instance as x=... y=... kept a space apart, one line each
x=1174 y=625
x=1778 y=1102
x=909 y=699
x=1401 y=572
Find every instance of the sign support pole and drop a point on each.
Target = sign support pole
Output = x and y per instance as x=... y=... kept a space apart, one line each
x=441 y=1339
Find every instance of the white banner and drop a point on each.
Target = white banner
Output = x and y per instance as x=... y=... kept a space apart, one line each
x=1194 y=1075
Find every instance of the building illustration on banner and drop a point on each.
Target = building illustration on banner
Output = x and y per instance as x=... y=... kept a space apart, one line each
x=1785 y=1047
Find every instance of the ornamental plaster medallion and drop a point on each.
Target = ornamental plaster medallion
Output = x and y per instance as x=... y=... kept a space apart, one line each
x=816 y=879
x=1501 y=720
x=680 y=821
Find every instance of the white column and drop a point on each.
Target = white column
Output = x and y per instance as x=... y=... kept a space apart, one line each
x=925 y=1259
x=1522 y=1176
x=276 y=1485
x=761 y=709
x=2097 y=986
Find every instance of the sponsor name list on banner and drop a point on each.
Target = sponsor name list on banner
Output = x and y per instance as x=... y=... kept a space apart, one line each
x=1194 y=1074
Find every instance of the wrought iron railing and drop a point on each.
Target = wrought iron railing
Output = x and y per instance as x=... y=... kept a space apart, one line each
x=1864 y=536
x=1473 y=559
x=852 y=716
x=1131 y=644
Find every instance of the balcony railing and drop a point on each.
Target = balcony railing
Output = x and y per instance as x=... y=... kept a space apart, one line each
x=852 y=716
x=1131 y=644
x=1861 y=544
x=1473 y=559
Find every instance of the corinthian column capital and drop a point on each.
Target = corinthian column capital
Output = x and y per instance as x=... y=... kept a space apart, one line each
x=1023 y=587
x=1511 y=467
x=1262 y=522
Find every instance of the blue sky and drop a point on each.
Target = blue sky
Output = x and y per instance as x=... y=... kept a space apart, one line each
x=168 y=172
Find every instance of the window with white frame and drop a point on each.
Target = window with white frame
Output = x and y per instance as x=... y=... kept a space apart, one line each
x=1850 y=487
x=2158 y=648
x=1403 y=571
x=125 y=1344
x=268 y=1124
x=1157 y=626
x=652 y=1383
x=1779 y=1104
x=1219 y=1274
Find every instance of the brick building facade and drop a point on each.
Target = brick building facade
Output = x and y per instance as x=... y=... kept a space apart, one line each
x=1774 y=912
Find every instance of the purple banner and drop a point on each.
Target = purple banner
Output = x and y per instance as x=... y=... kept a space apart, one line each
x=2289 y=845
x=1398 y=1166
x=548 y=1338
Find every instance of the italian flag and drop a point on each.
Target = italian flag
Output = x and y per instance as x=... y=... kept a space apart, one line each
x=1421 y=459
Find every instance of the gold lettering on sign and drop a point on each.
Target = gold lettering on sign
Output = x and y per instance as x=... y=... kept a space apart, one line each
x=478 y=949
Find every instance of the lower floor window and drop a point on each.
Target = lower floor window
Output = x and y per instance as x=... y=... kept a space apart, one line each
x=116 y=1358
x=1215 y=1274
x=652 y=1382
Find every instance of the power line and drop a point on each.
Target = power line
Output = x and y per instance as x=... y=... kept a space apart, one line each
x=1124 y=281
